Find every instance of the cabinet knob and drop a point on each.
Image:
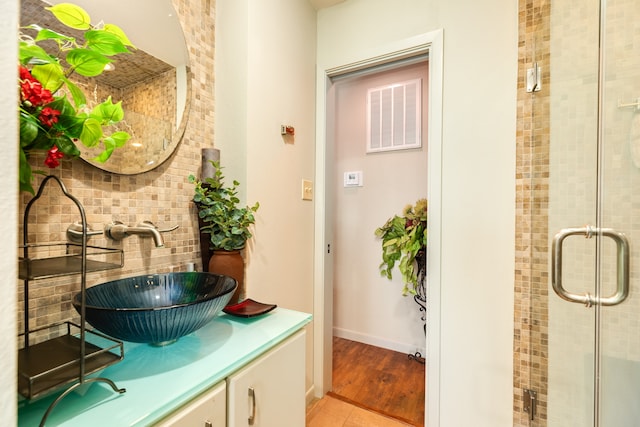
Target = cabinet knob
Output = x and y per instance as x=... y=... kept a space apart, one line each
x=208 y=424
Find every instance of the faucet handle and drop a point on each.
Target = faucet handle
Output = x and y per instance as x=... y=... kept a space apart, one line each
x=149 y=224
x=75 y=232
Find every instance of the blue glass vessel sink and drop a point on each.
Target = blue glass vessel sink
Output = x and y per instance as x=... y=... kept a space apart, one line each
x=157 y=308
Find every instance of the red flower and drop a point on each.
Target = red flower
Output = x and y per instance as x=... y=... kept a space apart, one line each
x=48 y=116
x=31 y=90
x=53 y=157
x=25 y=74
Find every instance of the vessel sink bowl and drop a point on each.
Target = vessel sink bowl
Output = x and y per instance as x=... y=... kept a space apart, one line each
x=157 y=308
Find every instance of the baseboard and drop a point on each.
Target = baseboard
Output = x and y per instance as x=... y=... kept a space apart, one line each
x=377 y=341
x=309 y=397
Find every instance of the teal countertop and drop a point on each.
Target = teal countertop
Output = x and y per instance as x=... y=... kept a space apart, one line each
x=160 y=379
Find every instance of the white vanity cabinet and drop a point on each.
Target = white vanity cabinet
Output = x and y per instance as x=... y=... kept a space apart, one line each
x=267 y=392
x=270 y=391
x=207 y=410
x=201 y=380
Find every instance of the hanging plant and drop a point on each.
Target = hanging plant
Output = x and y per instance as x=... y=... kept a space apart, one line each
x=53 y=111
x=403 y=237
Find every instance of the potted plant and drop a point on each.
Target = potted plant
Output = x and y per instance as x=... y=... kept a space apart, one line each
x=227 y=224
x=404 y=241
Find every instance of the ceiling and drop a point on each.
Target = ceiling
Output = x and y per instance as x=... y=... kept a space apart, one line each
x=321 y=4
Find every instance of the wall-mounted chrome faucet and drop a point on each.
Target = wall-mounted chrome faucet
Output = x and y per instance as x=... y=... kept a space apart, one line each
x=118 y=231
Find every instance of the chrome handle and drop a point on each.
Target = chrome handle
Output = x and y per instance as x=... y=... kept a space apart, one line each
x=75 y=232
x=252 y=415
x=622 y=261
x=622 y=257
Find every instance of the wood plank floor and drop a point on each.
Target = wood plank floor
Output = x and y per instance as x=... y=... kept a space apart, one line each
x=378 y=379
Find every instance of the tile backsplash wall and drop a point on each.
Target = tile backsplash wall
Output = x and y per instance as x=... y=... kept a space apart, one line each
x=162 y=195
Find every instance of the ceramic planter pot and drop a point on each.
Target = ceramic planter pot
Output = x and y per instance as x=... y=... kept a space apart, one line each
x=230 y=263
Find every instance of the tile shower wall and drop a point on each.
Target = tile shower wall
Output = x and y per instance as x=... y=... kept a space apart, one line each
x=532 y=185
x=162 y=195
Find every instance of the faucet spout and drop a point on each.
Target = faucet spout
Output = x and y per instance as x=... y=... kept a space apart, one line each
x=119 y=231
x=147 y=228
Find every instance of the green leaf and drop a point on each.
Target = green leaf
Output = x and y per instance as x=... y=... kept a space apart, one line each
x=104 y=42
x=76 y=93
x=71 y=15
x=120 y=138
x=68 y=119
x=28 y=129
x=29 y=52
x=66 y=146
x=86 y=62
x=25 y=175
x=51 y=76
x=109 y=145
x=91 y=132
x=47 y=34
x=117 y=31
x=108 y=112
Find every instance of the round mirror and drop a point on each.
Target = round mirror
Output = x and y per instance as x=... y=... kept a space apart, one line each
x=153 y=82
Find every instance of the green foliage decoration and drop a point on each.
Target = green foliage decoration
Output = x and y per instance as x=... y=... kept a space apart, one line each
x=219 y=207
x=49 y=121
x=403 y=237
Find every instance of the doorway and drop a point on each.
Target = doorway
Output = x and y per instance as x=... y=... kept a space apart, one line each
x=431 y=44
x=378 y=167
x=585 y=350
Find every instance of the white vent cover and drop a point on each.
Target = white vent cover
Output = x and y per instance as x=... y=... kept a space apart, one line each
x=394 y=116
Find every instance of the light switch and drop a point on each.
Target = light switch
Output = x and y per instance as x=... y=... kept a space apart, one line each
x=307 y=190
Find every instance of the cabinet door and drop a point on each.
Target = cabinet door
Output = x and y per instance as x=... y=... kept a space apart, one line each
x=207 y=410
x=270 y=391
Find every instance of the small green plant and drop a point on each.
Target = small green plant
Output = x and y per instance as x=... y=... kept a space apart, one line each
x=403 y=237
x=226 y=222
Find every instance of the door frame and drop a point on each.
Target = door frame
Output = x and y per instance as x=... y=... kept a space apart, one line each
x=431 y=43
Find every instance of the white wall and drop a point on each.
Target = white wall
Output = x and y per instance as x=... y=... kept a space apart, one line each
x=478 y=186
x=367 y=307
x=9 y=203
x=265 y=77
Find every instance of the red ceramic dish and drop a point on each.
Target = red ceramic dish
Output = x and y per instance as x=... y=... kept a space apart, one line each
x=248 y=308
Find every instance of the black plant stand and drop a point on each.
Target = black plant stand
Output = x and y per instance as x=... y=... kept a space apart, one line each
x=420 y=296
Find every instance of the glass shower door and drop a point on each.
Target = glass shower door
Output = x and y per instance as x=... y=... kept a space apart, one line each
x=594 y=214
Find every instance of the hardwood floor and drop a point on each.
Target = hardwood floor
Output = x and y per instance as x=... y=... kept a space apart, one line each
x=379 y=380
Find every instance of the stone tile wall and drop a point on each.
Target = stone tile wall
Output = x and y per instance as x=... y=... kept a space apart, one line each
x=532 y=176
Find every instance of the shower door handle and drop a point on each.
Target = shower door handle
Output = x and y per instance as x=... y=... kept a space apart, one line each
x=622 y=266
